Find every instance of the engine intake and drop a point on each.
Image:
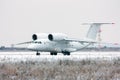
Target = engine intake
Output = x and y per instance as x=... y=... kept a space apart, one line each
x=39 y=36
x=57 y=36
x=34 y=37
x=50 y=37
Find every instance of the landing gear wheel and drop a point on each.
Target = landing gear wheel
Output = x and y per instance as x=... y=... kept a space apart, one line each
x=37 y=53
x=53 y=53
x=66 y=53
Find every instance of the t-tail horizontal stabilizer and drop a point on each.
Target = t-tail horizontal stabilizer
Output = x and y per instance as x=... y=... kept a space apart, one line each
x=94 y=29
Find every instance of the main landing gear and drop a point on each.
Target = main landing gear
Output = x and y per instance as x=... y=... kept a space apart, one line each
x=53 y=53
x=66 y=53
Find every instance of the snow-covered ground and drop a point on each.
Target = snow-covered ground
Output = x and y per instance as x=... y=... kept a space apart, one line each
x=24 y=56
x=77 y=66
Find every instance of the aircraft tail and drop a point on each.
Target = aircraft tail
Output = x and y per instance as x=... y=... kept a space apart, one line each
x=94 y=29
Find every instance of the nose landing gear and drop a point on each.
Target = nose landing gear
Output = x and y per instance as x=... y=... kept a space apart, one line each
x=37 y=53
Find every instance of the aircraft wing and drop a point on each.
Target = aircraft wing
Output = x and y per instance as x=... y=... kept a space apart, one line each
x=66 y=40
x=81 y=41
x=25 y=43
x=29 y=42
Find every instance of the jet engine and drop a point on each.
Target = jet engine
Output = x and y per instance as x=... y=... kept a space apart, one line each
x=39 y=36
x=56 y=36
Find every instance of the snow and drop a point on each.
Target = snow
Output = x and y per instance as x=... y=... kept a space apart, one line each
x=25 y=56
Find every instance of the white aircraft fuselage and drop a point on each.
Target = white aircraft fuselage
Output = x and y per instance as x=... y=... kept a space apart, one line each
x=56 y=46
x=60 y=43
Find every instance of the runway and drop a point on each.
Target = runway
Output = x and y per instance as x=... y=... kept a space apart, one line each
x=31 y=56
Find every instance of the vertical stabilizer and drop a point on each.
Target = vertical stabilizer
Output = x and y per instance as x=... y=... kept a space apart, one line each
x=94 y=29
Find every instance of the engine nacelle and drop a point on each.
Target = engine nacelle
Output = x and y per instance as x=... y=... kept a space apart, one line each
x=56 y=36
x=39 y=36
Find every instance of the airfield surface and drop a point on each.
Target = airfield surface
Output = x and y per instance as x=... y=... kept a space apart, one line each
x=77 y=66
x=24 y=56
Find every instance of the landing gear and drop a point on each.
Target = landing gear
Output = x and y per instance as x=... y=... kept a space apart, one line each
x=37 y=53
x=53 y=53
x=66 y=53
